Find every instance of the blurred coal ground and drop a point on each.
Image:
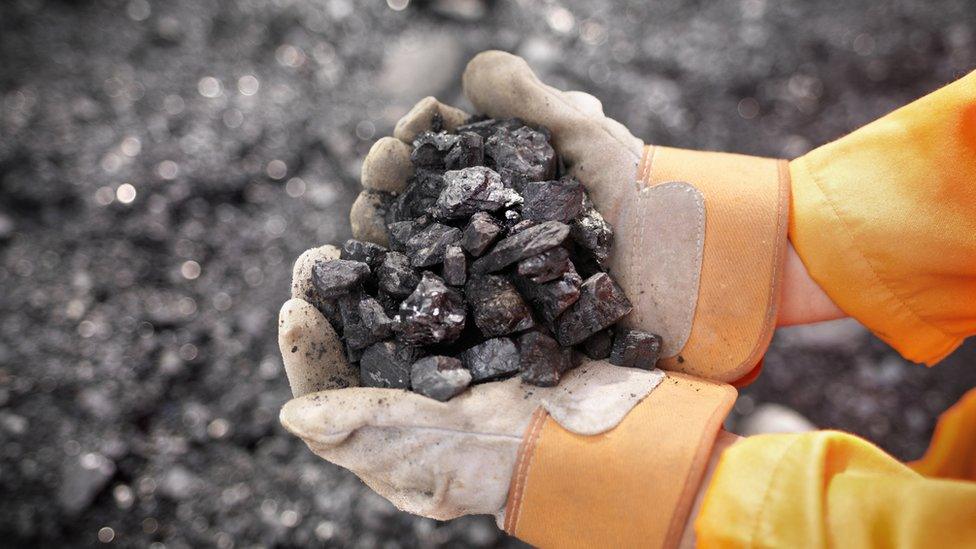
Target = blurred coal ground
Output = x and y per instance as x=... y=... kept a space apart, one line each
x=162 y=164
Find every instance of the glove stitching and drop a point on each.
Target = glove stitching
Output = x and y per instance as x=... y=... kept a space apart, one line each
x=692 y=302
x=779 y=261
x=638 y=242
x=638 y=239
x=646 y=167
x=645 y=174
x=524 y=466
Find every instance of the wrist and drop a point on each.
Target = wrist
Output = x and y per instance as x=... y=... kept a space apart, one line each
x=802 y=300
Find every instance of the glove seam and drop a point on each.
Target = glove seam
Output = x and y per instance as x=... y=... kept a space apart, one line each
x=699 y=462
x=522 y=469
x=645 y=171
x=779 y=260
x=646 y=166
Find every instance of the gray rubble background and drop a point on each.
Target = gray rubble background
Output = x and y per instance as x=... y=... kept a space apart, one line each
x=162 y=163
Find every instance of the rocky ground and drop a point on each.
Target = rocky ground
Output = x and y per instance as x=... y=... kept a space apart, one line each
x=162 y=163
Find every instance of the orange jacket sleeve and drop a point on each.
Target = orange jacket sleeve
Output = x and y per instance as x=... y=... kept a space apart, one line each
x=831 y=489
x=885 y=221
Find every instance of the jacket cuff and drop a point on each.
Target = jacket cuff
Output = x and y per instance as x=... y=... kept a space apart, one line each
x=824 y=238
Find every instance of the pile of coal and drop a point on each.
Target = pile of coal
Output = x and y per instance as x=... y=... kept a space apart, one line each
x=496 y=267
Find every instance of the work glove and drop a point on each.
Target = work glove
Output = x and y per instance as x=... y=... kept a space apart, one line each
x=483 y=451
x=447 y=459
x=436 y=459
x=572 y=464
x=700 y=237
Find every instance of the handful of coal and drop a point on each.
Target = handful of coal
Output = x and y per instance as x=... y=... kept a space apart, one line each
x=496 y=267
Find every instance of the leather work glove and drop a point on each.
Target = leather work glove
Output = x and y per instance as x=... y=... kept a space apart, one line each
x=447 y=459
x=576 y=462
x=700 y=237
x=490 y=449
x=437 y=459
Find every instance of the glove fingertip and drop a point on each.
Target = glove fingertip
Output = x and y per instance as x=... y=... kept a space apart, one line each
x=367 y=217
x=301 y=419
x=387 y=167
x=311 y=351
x=420 y=117
x=494 y=82
x=301 y=274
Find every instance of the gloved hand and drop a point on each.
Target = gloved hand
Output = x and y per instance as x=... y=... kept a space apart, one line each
x=436 y=459
x=476 y=453
x=447 y=459
x=700 y=237
x=520 y=453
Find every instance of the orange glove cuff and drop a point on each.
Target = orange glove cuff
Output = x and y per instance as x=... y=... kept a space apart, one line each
x=746 y=219
x=631 y=486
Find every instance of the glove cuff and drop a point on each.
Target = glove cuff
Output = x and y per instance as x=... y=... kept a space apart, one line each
x=632 y=486
x=746 y=219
